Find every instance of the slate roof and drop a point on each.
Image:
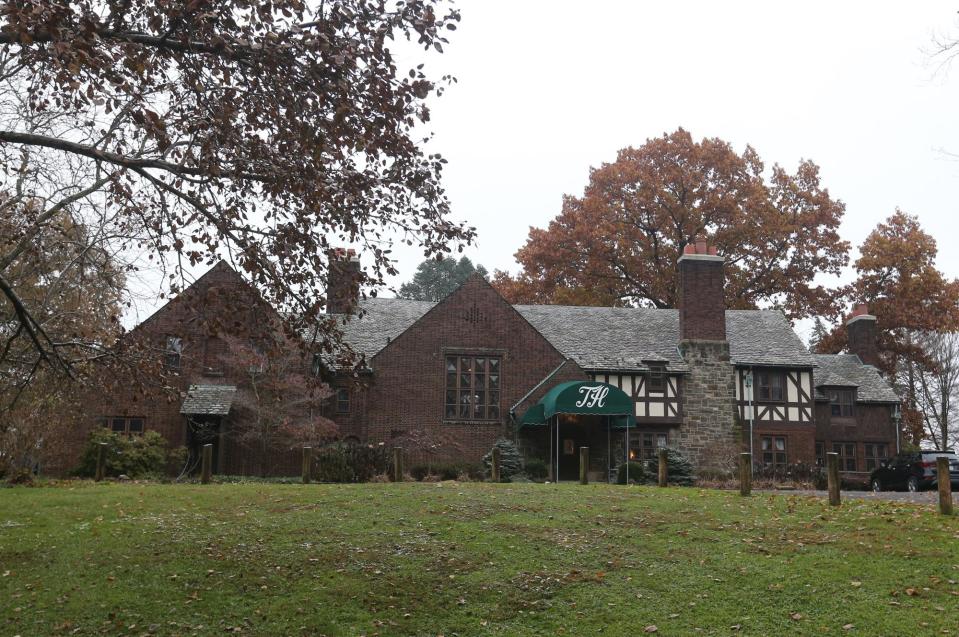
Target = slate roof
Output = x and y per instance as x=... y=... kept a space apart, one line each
x=208 y=400
x=846 y=370
x=613 y=338
x=602 y=337
x=379 y=321
x=764 y=337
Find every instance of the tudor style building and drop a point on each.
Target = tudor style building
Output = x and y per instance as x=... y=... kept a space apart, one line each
x=456 y=375
x=471 y=368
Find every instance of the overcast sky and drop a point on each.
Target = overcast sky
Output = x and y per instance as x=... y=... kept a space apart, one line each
x=548 y=89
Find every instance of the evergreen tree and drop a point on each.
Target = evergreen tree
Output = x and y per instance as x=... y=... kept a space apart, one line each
x=435 y=279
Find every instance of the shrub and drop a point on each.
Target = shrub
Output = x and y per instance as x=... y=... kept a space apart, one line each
x=351 y=462
x=678 y=468
x=21 y=476
x=436 y=472
x=536 y=469
x=510 y=459
x=637 y=472
x=135 y=456
x=798 y=475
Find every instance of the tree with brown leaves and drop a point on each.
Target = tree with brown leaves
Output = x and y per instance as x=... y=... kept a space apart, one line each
x=619 y=242
x=913 y=302
x=263 y=133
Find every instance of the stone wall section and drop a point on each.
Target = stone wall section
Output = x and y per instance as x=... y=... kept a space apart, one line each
x=708 y=402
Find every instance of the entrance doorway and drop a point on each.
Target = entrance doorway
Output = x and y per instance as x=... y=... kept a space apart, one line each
x=202 y=430
x=571 y=438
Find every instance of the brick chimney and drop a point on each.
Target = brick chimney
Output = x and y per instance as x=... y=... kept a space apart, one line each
x=343 y=282
x=862 y=334
x=702 y=305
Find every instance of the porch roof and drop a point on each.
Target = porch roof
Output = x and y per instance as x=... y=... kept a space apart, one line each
x=208 y=400
x=582 y=397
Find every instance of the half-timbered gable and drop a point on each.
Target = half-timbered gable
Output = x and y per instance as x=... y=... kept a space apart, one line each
x=774 y=370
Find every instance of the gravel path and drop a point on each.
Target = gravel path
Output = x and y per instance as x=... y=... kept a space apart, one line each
x=923 y=497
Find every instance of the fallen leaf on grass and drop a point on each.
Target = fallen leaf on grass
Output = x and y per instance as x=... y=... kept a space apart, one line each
x=650 y=629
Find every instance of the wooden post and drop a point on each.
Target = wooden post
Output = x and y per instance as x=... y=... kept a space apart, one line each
x=397 y=464
x=101 y=468
x=832 y=472
x=583 y=465
x=745 y=474
x=494 y=468
x=663 y=471
x=945 y=485
x=207 y=469
x=307 y=464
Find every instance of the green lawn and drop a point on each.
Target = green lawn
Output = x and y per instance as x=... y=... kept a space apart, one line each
x=468 y=559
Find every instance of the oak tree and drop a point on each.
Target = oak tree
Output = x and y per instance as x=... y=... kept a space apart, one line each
x=262 y=133
x=913 y=302
x=618 y=243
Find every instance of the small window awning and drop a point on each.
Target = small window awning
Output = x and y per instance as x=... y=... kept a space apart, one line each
x=208 y=400
x=582 y=397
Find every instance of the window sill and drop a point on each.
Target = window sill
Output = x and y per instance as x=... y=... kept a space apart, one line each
x=467 y=421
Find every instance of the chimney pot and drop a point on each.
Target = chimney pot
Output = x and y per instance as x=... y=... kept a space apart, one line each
x=689 y=249
x=713 y=251
x=701 y=246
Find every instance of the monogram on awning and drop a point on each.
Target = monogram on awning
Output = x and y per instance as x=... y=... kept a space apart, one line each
x=581 y=397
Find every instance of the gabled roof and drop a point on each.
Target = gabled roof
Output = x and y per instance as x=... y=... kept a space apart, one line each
x=604 y=338
x=765 y=337
x=846 y=370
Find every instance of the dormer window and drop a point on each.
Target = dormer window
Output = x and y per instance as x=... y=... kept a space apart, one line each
x=841 y=402
x=657 y=378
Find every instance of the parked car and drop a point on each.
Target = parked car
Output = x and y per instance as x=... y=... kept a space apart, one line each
x=913 y=471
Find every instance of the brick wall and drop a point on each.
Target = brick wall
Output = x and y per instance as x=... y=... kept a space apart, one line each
x=702 y=306
x=872 y=422
x=862 y=334
x=217 y=306
x=408 y=388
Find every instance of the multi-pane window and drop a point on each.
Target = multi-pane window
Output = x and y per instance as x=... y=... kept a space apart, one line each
x=473 y=387
x=770 y=385
x=174 y=348
x=841 y=402
x=643 y=445
x=657 y=378
x=342 y=400
x=875 y=454
x=847 y=455
x=774 y=452
x=820 y=454
x=216 y=351
x=123 y=424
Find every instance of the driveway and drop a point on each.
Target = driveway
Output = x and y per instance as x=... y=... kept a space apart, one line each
x=922 y=497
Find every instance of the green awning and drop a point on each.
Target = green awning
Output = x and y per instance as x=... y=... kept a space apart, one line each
x=580 y=397
x=624 y=422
